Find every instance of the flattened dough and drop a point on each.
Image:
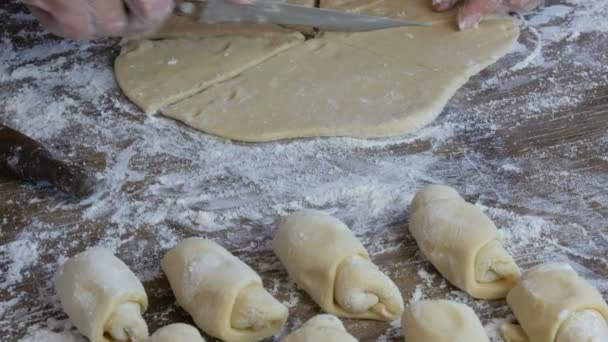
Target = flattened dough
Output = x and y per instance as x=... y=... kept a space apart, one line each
x=553 y=304
x=371 y=84
x=442 y=321
x=155 y=73
x=320 y=88
x=321 y=328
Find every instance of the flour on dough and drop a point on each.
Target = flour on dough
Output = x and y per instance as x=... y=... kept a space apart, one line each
x=177 y=332
x=321 y=328
x=552 y=303
x=156 y=73
x=327 y=261
x=373 y=84
x=442 y=321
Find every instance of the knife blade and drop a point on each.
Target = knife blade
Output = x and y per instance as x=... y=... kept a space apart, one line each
x=21 y=157
x=274 y=12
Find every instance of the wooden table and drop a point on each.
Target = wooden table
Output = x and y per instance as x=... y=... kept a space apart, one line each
x=529 y=146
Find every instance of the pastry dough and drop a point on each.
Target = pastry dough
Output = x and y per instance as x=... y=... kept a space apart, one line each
x=320 y=88
x=327 y=261
x=102 y=297
x=553 y=304
x=442 y=321
x=177 y=332
x=462 y=243
x=185 y=57
x=372 y=84
x=224 y=296
x=321 y=328
x=155 y=73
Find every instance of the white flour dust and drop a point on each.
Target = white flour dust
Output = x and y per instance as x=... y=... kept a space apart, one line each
x=160 y=181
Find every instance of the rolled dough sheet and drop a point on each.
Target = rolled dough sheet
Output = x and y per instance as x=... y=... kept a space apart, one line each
x=439 y=47
x=321 y=88
x=156 y=73
x=373 y=84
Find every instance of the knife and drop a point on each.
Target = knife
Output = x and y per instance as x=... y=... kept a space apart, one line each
x=274 y=12
x=22 y=157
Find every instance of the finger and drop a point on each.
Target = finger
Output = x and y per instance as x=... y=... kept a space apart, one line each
x=473 y=10
x=150 y=9
x=444 y=5
x=522 y=5
x=146 y=15
x=45 y=18
x=63 y=17
x=109 y=17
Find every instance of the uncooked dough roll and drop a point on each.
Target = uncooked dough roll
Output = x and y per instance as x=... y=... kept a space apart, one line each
x=553 y=304
x=102 y=297
x=177 y=332
x=321 y=328
x=442 y=321
x=325 y=259
x=225 y=297
x=462 y=243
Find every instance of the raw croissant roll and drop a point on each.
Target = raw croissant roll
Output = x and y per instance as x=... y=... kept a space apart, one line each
x=462 y=243
x=325 y=259
x=321 y=328
x=442 y=321
x=177 y=332
x=225 y=297
x=102 y=297
x=553 y=304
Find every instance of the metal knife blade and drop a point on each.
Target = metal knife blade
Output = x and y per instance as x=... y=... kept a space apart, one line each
x=274 y=12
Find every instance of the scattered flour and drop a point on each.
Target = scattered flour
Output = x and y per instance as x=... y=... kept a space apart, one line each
x=19 y=255
x=161 y=182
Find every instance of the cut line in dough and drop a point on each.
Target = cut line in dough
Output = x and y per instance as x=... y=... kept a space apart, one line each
x=373 y=84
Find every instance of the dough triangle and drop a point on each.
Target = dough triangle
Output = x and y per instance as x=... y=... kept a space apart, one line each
x=156 y=73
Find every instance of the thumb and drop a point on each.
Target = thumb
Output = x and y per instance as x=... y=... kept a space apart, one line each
x=522 y=5
x=473 y=10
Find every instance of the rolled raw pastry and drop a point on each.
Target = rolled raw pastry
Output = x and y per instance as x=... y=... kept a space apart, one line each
x=102 y=297
x=321 y=328
x=462 y=243
x=177 y=332
x=513 y=333
x=553 y=304
x=225 y=297
x=325 y=259
x=442 y=321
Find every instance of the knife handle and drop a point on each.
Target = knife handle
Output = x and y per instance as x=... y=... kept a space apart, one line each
x=21 y=157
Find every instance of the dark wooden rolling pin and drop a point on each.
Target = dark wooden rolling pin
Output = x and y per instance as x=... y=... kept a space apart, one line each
x=21 y=157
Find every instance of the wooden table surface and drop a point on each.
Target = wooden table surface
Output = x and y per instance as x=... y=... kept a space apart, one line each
x=529 y=145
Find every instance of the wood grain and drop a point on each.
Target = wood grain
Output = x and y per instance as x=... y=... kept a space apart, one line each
x=560 y=152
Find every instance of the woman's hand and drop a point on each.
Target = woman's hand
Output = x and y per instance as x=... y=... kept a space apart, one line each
x=472 y=11
x=86 y=19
